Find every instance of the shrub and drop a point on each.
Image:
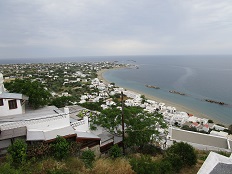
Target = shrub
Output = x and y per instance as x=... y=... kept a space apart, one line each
x=115 y=151
x=165 y=167
x=7 y=169
x=144 y=165
x=38 y=150
x=175 y=161
x=182 y=151
x=88 y=157
x=150 y=149
x=60 y=148
x=18 y=151
x=75 y=148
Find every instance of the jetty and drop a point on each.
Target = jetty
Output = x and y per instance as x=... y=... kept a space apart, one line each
x=151 y=86
x=216 y=102
x=176 y=92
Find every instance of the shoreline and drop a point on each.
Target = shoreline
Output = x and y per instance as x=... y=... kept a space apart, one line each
x=167 y=103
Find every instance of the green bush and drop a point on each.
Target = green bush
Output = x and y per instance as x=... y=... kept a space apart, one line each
x=181 y=154
x=150 y=149
x=7 y=169
x=115 y=151
x=144 y=165
x=18 y=151
x=88 y=158
x=165 y=167
x=175 y=161
x=60 y=148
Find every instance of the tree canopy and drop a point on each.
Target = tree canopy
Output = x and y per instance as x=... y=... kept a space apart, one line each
x=140 y=127
x=62 y=101
x=36 y=92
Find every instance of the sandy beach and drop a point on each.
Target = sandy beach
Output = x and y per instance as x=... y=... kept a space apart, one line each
x=167 y=103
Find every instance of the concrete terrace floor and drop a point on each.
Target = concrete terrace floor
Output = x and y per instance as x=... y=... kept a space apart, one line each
x=199 y=140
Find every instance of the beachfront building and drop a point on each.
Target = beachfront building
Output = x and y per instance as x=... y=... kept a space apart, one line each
x=133 y=95
x=218 y=127
x=118 y=90
x=179 y=118
x=171 y=109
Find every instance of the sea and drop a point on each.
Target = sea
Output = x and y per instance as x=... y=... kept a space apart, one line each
x=200 y=77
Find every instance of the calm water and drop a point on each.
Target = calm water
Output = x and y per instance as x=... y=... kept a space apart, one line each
x=200 y=77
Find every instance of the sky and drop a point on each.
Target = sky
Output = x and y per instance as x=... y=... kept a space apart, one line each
x=69 y=28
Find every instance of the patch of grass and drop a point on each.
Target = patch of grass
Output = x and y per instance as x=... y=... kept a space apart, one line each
x=118 y=166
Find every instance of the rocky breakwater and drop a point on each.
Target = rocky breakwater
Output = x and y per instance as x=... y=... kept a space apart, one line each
x=151 y=86
x=176 y=92
x=216 y=102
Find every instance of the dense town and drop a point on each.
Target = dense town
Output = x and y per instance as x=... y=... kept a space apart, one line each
x=78 y=95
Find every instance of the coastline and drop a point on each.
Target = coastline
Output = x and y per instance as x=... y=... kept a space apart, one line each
x=167 y=103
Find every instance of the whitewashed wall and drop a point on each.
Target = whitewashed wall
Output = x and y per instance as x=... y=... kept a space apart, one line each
x=82 y=125
x=5 y=111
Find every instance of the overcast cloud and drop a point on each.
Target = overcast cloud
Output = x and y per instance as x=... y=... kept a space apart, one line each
x=58 y=28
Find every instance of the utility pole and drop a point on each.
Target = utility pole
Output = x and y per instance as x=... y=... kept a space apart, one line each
x=123 y=130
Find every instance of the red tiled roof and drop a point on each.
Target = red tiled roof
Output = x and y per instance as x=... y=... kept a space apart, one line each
x=195 y=124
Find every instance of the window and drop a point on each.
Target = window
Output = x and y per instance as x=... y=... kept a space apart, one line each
x=12 y=104
x=1 y=102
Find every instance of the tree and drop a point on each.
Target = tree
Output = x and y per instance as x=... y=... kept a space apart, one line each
x=141 y=127
x=60 y=148
x=36 y=92
x=183 y=153
x=143 y=98
x=62 y=101
x=92 y=106
x=18 y=151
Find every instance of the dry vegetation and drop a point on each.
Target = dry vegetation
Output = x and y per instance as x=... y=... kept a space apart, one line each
x=118 y=166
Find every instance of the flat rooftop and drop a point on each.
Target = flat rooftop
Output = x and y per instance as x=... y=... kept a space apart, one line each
x=32 y=114
x=198 y=138
x=73 y=111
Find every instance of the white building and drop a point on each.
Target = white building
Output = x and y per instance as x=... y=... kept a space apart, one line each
x=216 y=163
x=11 y=103
x=43 y=124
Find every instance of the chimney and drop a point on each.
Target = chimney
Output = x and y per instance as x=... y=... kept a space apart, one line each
x=66 y=110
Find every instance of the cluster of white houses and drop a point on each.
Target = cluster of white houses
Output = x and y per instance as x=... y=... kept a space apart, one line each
x=44 y=124
x=171 y=115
